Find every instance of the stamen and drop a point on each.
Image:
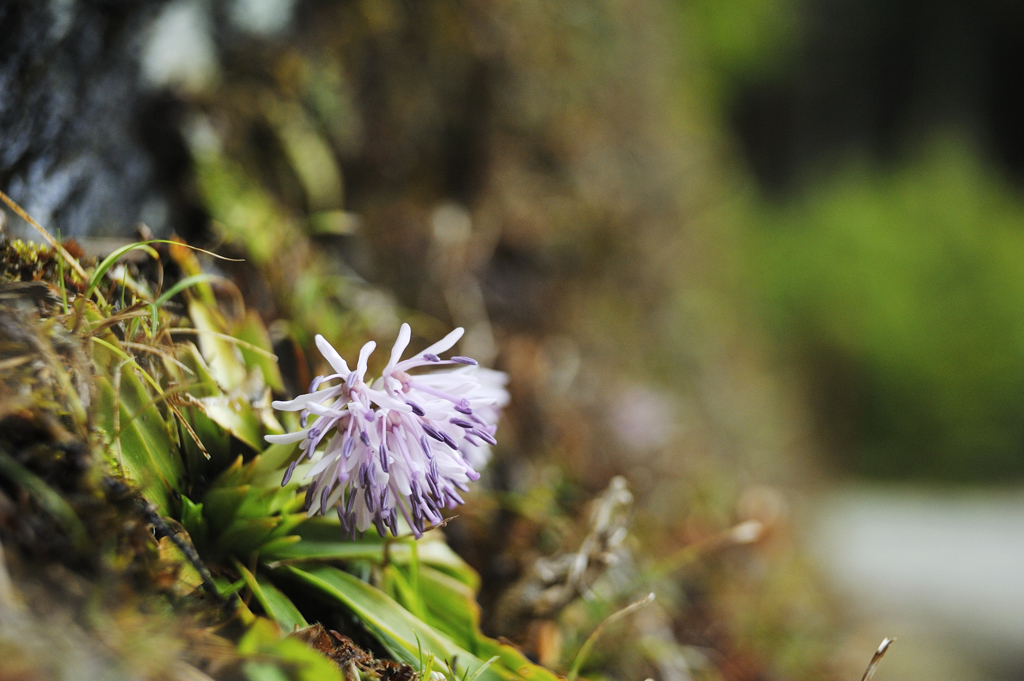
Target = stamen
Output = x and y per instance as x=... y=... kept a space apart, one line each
x=485 y=436
x=288 y=473
x=342 y=518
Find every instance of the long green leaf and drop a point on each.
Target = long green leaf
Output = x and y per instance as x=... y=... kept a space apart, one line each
x=392 y=624
x=451 y=607
x=183 y=284
x=223 y=357
x=108 y=262
x=251 y=330
x=150 y=455
x=277 y=606
x=180 y=286
x=434 y=553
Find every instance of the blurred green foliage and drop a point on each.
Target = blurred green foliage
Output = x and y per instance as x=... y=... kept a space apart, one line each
x=900 y=295
x=741 y=39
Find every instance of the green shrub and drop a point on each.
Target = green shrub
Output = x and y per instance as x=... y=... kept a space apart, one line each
x=901 y=296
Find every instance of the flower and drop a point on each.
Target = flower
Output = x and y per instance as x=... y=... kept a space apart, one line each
x=405 y=443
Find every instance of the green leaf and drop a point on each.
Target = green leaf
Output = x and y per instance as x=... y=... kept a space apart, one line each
x=234 y=415
x=251 y=330
x=245 y=535
x=183 y=284
x=393 y=625
x=402 y=591
x=234 y=475
x=274 y=603
x=278 y=606
x=451 y=607
x=222 y=356
x=313 y=547
x=144 y=444
x=108 y=262
x=220 y=505
x=193 y=521
x=215 y=438
x=180 y=286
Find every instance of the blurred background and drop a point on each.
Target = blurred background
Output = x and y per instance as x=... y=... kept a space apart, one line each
x=763 y=258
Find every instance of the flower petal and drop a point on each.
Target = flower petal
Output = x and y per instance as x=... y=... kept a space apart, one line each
x=445 y=343
x=301 y=401
x=401 y=343
x=287 y=438
x=336 y=361
x=364 y=354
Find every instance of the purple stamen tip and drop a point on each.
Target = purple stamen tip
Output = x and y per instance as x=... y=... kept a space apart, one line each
x=463 y=407
x=342 y=518
x=416 y=409
x=461 y=423
x=365 y=438
x=429 y=430
x=431 y=357
x=485 y=436
x=459 y=359
x=288 y=473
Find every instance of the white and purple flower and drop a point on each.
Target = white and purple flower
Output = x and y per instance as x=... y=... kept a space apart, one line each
x=406 y=444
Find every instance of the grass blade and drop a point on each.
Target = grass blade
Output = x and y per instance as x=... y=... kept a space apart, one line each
x=588 y=645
